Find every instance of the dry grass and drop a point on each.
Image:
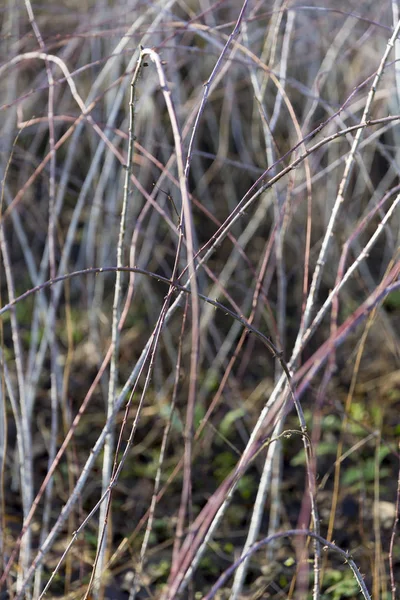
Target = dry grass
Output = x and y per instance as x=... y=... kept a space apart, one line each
x=200 y=299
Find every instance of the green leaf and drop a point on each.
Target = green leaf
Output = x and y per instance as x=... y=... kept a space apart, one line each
x=225 y=425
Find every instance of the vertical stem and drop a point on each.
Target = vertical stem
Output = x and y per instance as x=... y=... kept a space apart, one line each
x=109 y=442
